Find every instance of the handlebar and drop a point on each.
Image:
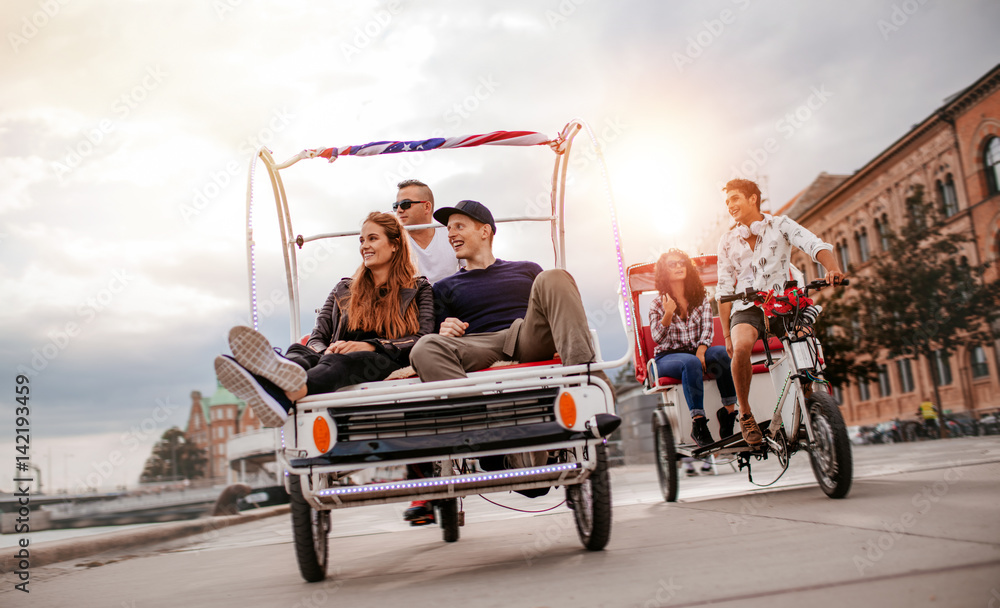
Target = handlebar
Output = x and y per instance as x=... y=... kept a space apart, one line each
x=752 y=295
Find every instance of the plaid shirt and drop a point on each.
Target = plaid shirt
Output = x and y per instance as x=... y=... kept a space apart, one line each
x=681 y=334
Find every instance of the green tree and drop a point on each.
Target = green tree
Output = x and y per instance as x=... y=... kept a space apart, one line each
x=840 y=337
x=174 y=457
x=922 y=295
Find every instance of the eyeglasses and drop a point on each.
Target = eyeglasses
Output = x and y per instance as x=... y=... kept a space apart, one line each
x=675 y=264
x=405 y=204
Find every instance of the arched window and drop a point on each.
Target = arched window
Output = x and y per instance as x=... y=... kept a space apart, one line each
x=914 y=208
x=991 y=164
x=941 y=364
x=884 y=386
x=844 y=254
x=905 y=376
x=861 y=238
x=882 y=227
x=946 y=196
x=977 y=358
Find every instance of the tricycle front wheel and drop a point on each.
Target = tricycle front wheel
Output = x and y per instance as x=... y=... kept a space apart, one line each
x=666 y=457
x=832 y=461
x=311 y=529
x=591 y=504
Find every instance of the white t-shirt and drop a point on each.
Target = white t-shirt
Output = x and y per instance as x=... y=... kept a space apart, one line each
x=438 y=260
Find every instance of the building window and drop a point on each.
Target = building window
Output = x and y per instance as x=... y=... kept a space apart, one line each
x=942 y=367
x=916 y=213
x=821 y=272
x=837 y=395
x=844 y=254
x=863 y=393
x=947 y=197
x=883 y=232
x=977 y=357
x=884 y=388
x=991 y=164
x=862 y=239
x=905 y=375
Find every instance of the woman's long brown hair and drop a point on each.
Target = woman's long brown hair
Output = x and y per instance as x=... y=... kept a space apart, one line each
x=376 y=307
x=694 y=289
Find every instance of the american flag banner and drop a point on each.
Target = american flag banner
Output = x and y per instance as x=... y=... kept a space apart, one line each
x=496 y=138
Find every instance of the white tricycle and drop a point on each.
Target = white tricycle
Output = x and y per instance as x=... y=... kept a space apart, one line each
x=788 y=394
x=352 y=447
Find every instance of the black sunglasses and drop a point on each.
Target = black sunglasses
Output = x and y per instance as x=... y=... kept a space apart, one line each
x=405 y=204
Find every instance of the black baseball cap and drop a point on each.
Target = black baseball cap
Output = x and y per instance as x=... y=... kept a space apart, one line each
x=473 y=209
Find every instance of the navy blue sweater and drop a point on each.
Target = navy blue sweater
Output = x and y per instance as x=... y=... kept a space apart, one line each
x=488 y=299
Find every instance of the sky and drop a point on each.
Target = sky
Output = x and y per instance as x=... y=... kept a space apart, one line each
x=127 y=129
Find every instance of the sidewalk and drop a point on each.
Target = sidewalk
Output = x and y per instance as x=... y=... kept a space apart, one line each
x=45 y=553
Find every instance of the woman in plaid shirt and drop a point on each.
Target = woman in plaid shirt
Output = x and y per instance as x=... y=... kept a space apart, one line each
x=681 y=323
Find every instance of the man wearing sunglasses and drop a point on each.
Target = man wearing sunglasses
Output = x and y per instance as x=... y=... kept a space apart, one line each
x=414 y=206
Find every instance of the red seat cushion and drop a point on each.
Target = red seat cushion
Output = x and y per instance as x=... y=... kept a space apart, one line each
x=649 y=346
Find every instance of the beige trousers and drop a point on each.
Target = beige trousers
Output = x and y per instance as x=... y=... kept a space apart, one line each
x=555 y=322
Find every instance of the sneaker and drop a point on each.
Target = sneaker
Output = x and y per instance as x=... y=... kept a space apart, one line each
x=420 y=513
x=706 y=468
x=691 y=472
x=252 y=350
x=267 y=401
x=726 y=420
x=751 y=432
x=700 y=433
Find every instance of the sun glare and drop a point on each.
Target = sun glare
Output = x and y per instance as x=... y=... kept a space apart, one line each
x=653 y=190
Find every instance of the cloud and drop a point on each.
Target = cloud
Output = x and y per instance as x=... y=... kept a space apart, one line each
x=164 y=105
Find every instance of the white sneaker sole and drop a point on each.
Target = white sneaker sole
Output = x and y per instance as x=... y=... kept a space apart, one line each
x=252 y=350
x=240 y=383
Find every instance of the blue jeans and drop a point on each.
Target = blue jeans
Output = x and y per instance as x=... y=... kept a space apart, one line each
x=687 y=368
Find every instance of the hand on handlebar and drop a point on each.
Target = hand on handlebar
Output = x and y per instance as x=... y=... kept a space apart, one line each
x=835 y=277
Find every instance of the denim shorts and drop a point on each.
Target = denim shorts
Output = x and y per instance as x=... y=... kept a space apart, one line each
x=751 y=316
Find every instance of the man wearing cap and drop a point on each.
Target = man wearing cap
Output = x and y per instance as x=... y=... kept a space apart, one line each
x=431 y=252
x=494 y=310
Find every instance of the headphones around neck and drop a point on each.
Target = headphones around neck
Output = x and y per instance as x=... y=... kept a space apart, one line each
x=755 y=229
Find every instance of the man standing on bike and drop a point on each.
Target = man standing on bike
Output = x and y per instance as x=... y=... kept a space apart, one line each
x=756 y=253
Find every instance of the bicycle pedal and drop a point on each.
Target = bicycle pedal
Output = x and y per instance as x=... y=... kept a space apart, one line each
x=423 y=521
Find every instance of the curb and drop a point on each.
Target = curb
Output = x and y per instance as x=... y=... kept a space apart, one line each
x=55 y=551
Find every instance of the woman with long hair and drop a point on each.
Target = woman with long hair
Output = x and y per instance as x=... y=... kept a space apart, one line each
x=363 y=333
x=680 y=320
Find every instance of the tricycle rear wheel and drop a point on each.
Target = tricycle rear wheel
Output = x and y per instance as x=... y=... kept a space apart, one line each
x=311 y=529
x=591 y=503
x=448 y=516
x=666 y=458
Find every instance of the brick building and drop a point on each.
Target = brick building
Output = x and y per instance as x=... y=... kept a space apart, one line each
x=955 y=155
x=212 y=421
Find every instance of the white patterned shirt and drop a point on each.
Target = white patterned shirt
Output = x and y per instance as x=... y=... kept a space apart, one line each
x=767 y=266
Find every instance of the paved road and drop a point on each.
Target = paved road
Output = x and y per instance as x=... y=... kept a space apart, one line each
x=921 y=527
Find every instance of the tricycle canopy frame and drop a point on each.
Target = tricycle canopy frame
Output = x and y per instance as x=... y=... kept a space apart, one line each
x=561 y=146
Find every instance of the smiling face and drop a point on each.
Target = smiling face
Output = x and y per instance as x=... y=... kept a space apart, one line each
x=467 y=236
x=741 y=209
x=376 y=249
x=418 y=213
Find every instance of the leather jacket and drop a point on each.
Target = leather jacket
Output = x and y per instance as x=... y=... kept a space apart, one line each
x=332 y=320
